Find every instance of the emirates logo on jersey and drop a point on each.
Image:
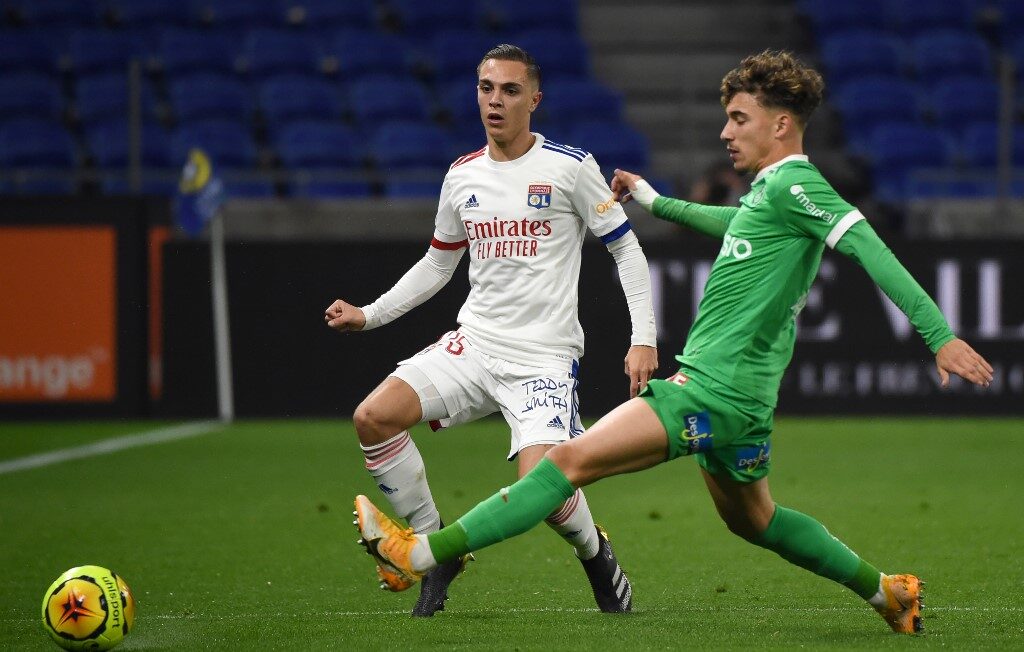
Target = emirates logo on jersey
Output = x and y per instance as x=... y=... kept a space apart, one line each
x=498 y=238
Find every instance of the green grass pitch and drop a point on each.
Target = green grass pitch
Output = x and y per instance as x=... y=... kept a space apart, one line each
x=242 y=539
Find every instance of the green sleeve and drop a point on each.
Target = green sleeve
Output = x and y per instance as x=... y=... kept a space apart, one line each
x=862 y=244
x=710 y=220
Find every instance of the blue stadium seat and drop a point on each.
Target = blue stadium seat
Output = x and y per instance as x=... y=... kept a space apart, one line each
x=520 y=15
x=29 y=95
x=613 y=144
x=867 y=102
x=360 y=53
x=287 y=98
x=421 y=18
x=938 y=182
x=897 y=147
x=147 y=13
x=1011 y=25
x=105 y=97
x=110 y=145
x=455 y=54
x=572 y=100
x=237 y=13
x=93 y=51
x=1016 y=52
x=556 y=51
x=457 y=101
x=203 y=95
x=383 y=97
x=83 y=13
x=274 y=51
x=856 y=53
x=828 y=16
x=26 y=51
x=401 y=144
x=318 y=144
x=331 y=15
x=559 y=131
x=30 y=142
x=960 y=100
x=980 y=145
x=189 y=51
x=950 y=52
x=911 y=17
x=464 y=139
x=412 y=188
x=228 y=143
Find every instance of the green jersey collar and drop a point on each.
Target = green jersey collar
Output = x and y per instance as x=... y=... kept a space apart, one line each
x=765 y=170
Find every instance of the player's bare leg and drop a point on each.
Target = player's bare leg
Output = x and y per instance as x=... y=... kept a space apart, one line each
x=390 y=408
x=627 y=439
x=630 y=438
x=749 y=512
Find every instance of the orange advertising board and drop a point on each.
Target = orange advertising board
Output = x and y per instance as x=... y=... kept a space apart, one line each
x=58 y=314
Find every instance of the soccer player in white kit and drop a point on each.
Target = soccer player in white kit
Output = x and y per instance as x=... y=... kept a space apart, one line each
x=521 y=206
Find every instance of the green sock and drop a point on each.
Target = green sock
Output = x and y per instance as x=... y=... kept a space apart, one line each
x=801 y=540
x=509 y=512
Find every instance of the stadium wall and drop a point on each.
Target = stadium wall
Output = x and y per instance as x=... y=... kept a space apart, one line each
x=855 y=353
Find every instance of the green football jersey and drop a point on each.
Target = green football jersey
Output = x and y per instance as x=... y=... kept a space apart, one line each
x=745 y=327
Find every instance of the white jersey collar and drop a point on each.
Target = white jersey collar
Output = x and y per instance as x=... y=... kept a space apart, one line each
x=516 y=162
x=792 y=157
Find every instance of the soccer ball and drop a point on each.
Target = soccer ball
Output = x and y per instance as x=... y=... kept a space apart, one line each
x=88 y=608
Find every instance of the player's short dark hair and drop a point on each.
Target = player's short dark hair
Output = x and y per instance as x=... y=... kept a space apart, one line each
x=506 y=52
x=776 y=79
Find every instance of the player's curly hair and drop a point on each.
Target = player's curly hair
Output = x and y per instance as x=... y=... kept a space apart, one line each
x=776 y=79
x=506 y=52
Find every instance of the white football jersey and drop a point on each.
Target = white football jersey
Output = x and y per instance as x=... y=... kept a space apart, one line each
x=523 y=222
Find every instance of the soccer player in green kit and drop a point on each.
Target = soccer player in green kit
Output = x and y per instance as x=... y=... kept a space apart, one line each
x=719 y=406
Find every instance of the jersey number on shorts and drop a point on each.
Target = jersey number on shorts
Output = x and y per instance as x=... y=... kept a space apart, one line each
x=455 y=345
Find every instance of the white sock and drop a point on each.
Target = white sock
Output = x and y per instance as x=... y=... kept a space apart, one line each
x=573 y=521
x=397 y=468
x=879 y=599
x=422 y=557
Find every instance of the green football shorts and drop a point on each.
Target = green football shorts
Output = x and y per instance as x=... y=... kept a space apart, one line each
x=728 y=433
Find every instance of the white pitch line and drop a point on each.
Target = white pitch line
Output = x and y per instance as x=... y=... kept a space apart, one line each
x=535 y=610
x=112 y=445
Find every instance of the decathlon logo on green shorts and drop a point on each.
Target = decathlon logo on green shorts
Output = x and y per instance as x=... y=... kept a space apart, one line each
x=697 y=432
x=751 y=458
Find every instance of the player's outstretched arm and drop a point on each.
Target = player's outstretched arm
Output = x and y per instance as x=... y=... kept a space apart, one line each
x=709 y=220
x=952 y=355
x=343 y=317
x=422 y=281
x=957 y=357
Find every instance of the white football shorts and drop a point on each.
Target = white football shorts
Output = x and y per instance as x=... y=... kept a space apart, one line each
x=538 y=402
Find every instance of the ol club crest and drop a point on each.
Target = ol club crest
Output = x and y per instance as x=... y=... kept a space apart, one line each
x=538 y=196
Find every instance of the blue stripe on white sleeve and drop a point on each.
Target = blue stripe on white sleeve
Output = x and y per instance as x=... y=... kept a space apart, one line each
x=620 y=231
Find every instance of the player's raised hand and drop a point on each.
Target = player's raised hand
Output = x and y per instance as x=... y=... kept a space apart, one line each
x=622 y=183
x=342 y=316
x=641 y=362
x=957 y=357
